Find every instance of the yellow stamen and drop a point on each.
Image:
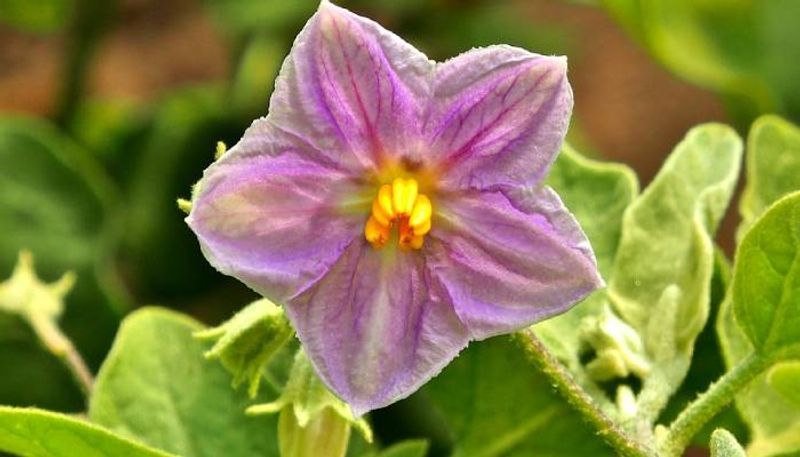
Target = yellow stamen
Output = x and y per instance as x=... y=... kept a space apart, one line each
x=385 y=200
x=399 y=205
x=376 y=233
x=404 y=194
x=421 y=212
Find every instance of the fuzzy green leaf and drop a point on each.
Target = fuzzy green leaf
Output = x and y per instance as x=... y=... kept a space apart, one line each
x=667 y=237
x=156 y=386
x=661 y=279
x=30 y=432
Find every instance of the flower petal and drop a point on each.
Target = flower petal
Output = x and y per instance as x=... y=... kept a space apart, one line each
x=499 y=116
x=269 y=215
x=510 y=259
x=352 y=88
x=376 y=326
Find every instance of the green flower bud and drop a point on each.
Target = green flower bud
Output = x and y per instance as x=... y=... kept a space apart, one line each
x=313 y=421
x=246 y=343
x=618 y=346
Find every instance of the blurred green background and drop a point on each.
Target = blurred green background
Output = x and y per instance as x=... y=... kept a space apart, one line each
x=110 y=110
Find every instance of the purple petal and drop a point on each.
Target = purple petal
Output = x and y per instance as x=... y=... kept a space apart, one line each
x=271 y=216
x=376 y=326
x=499 y=116
x=352 y=88
x=510 y=259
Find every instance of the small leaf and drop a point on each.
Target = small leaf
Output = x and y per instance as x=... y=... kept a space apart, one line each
x=157 y=387
x=766 y=280
x=724 y=444
x=37 y=433
x=246 y=343
x=784 y=377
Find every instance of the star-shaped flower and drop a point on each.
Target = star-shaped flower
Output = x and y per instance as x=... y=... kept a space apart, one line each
x=394 y=205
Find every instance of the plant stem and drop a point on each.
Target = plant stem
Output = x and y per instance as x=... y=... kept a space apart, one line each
x=709 y=403
x=59 y=345
x=578 y=398
x=91 y=18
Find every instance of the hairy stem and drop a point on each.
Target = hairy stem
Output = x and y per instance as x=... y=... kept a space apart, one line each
x=709 y=403
x=578 y=398
x=59 y=345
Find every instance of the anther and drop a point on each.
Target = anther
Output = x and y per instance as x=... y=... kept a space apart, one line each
x=399 y=205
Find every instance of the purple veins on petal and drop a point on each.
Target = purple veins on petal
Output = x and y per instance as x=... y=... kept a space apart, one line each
x=377 y=328
x=352 y=88
x=510 y=259
x=499 y=116
x=393 y=206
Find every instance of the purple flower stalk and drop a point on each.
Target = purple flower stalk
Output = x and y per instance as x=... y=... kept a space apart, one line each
x=394 y=205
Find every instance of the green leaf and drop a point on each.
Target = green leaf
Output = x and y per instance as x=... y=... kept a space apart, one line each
x=784 y=377
x=667 y=234
x=157 y=387
x=30 y=432
x=38 y=16
x=58 y=203
x=766 y=280
x=772 y=156
x=495 y=403
x=662 y=276
x=723 y=444
x=773 y=166
x=597 y=193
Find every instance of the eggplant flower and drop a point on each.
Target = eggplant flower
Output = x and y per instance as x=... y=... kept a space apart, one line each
x=394 y=206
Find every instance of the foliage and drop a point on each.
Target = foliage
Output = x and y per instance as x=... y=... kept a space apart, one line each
x=628 y=371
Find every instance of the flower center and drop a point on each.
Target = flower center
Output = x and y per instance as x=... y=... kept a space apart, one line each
x=400 y=205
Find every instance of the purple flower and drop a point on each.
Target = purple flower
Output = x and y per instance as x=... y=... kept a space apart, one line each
x=394 y=205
